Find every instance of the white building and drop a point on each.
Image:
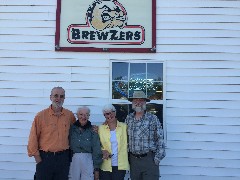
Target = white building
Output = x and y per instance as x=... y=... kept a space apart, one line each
x=198 y=47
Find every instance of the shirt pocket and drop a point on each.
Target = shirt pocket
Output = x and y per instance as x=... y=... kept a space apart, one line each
x=66 y=126
x=143 y=131
x=49 y=128
x=88 y=140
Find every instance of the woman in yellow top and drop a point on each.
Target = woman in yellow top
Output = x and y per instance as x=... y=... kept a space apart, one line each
x=113 y=138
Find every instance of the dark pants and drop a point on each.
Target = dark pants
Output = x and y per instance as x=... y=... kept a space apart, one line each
x=53 y=166
x=114 y=175
x=143 y=168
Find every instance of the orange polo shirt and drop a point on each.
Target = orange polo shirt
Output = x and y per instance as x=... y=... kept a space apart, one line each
x=50 y=132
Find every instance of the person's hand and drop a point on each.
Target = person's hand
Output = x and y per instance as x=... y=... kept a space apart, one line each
x=38 y=159
x=105 y=154
x=96 y=175
x=95 y=128
x=157 y=162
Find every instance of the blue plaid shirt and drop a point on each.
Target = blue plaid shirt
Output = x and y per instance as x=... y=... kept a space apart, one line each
x=145 y=135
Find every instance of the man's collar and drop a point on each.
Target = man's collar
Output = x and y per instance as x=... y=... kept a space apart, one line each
x=51 y=111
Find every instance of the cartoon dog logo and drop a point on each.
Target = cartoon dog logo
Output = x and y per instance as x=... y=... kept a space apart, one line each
x=104 y=14
x=106 y=23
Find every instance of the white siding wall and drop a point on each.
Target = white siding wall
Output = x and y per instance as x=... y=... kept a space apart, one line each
x=199 y=42
x=199 y=39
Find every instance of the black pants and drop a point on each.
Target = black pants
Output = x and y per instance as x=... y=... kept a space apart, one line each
x=53 y=166
x=114 y=175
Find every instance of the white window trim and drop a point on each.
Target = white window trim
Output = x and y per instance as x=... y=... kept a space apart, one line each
x=163 y=101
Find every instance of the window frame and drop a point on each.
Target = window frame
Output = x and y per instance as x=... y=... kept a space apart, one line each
x=126 y=102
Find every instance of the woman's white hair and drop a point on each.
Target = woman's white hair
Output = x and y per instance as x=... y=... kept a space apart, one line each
x=83 y=107
x=108 y=107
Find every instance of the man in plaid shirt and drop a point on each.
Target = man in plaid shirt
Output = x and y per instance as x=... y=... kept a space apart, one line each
x=146 y=144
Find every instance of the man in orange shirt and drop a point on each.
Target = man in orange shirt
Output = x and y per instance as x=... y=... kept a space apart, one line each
x=48 y=140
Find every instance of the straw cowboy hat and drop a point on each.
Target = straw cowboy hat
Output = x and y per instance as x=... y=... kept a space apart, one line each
x=138 y=95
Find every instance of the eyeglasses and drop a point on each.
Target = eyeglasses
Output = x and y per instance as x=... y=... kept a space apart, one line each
x=108 y=113
x=86 y=115
x=57 y=95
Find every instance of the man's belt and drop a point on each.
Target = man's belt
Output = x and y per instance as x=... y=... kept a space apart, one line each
x=139 y=155
x=53 y=153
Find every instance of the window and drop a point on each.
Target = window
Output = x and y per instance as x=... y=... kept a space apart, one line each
x=128 y=76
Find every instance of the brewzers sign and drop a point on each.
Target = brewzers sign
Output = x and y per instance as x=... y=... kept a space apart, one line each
x=106 y=25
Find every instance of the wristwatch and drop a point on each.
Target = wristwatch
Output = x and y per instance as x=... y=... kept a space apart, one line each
x=96 y=169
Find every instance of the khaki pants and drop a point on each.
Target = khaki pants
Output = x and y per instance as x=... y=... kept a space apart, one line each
x=81 y=167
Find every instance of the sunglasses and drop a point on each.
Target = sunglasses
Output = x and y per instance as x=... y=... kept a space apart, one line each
x=57 y=96
x=107 y=114
x=110 y=155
